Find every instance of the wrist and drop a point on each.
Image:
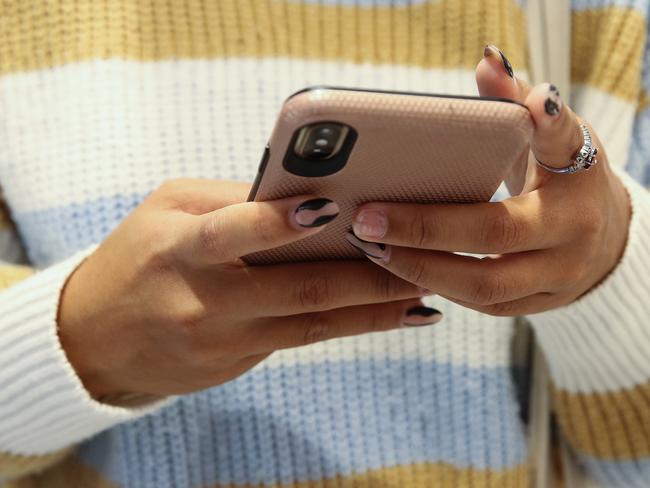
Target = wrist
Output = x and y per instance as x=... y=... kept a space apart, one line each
x=618 y=223
x=80 y=334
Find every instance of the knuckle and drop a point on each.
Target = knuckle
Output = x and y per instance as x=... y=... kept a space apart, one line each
x=501 y=232
x=159 y=261
x=419 y=273
x=502 y=309
x=574 y=274
x=317 y=329
x=168 y=188
x=420 y=231
x=315 y=292
x=263 y=229
x=591 y=223
x=189 y=316
x=211 y=232
x=159 y=256
x=488 y=289
x=387 y=286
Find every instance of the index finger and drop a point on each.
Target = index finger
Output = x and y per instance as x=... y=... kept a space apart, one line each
x=513 y=225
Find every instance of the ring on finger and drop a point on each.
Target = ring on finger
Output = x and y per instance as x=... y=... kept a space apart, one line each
x=584 y=159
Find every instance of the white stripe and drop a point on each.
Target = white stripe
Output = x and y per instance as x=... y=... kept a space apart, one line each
x=611 y=117
x=463 y=338
x=206 y=118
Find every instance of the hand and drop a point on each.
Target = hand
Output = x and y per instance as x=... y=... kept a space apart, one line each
x=548 y=246
x=164 y=306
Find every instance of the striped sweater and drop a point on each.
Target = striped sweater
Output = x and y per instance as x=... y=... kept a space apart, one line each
x=102 y=100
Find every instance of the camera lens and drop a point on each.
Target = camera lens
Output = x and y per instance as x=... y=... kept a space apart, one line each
x=320 y=141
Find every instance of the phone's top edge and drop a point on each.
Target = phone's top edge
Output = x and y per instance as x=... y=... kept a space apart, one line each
x=396 y=92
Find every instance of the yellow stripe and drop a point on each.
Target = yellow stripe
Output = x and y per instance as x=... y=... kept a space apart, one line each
x=11 y=274
x=613 y=425
x=607 y=49
x=74 y=473
x=607 y=42
x=445 y=33
x=13 y=466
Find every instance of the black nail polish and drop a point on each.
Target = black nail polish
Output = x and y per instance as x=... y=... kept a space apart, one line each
x=551 y=107
x=421 y=315
x=490 y=49
x=553 y=103
x=316 y=212
x=375 y=250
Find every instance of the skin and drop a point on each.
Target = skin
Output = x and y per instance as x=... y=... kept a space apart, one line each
x=182 y=246
x=546 y=247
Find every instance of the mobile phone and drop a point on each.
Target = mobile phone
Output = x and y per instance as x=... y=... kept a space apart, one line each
x=355 y=146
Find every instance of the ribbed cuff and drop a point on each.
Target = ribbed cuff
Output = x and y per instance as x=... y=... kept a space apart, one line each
x=601 y=342
x=44 y=406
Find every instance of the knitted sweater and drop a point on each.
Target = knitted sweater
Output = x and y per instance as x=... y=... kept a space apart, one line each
x=102 y=100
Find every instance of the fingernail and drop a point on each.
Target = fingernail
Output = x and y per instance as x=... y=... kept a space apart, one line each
x=373 y=250
x=421 y=315
x=370 y=223
x=315 y=213
x=553 y=102
x=491 y=49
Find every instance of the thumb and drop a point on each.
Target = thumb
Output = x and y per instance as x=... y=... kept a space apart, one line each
x=495 y=77
x=226 y=234
x=558 y=135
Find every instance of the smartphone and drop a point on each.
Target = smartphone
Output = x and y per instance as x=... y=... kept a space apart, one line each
x=355 y=146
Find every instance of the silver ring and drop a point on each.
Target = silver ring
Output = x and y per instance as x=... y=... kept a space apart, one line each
x=584 y=159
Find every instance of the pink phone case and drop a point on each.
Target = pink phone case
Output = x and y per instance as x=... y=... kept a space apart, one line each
x=409 y=148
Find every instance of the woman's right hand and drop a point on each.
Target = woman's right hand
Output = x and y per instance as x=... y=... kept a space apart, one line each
x=165 y=306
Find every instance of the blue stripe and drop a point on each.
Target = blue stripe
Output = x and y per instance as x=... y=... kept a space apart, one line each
x=308 y=422
x=618 y=474
x=53 y=234
x=638 y=165
x=640 y=5
x=645 y=72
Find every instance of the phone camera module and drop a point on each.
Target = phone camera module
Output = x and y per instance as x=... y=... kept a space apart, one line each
x=320 y=141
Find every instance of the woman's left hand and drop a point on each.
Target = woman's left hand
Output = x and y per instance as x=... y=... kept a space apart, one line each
x=547 y=246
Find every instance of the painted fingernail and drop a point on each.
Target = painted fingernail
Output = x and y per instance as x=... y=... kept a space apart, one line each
x=553 y=102
x=373 y=250
x=491 y=49
x=315 y=213
x=421 y=315
x=370 y=223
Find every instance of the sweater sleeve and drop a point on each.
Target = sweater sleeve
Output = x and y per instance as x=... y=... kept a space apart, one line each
x=44 y=408
x=598 y=349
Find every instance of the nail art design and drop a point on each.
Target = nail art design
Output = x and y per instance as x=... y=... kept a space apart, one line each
x=421 y=315
x=316 y=212
x=553 y=103
x=373 y=250
x=491 y=49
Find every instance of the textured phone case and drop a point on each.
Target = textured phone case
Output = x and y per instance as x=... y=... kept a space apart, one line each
x=409 y=148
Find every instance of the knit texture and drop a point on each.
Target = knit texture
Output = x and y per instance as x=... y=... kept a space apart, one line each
x=102 y=101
